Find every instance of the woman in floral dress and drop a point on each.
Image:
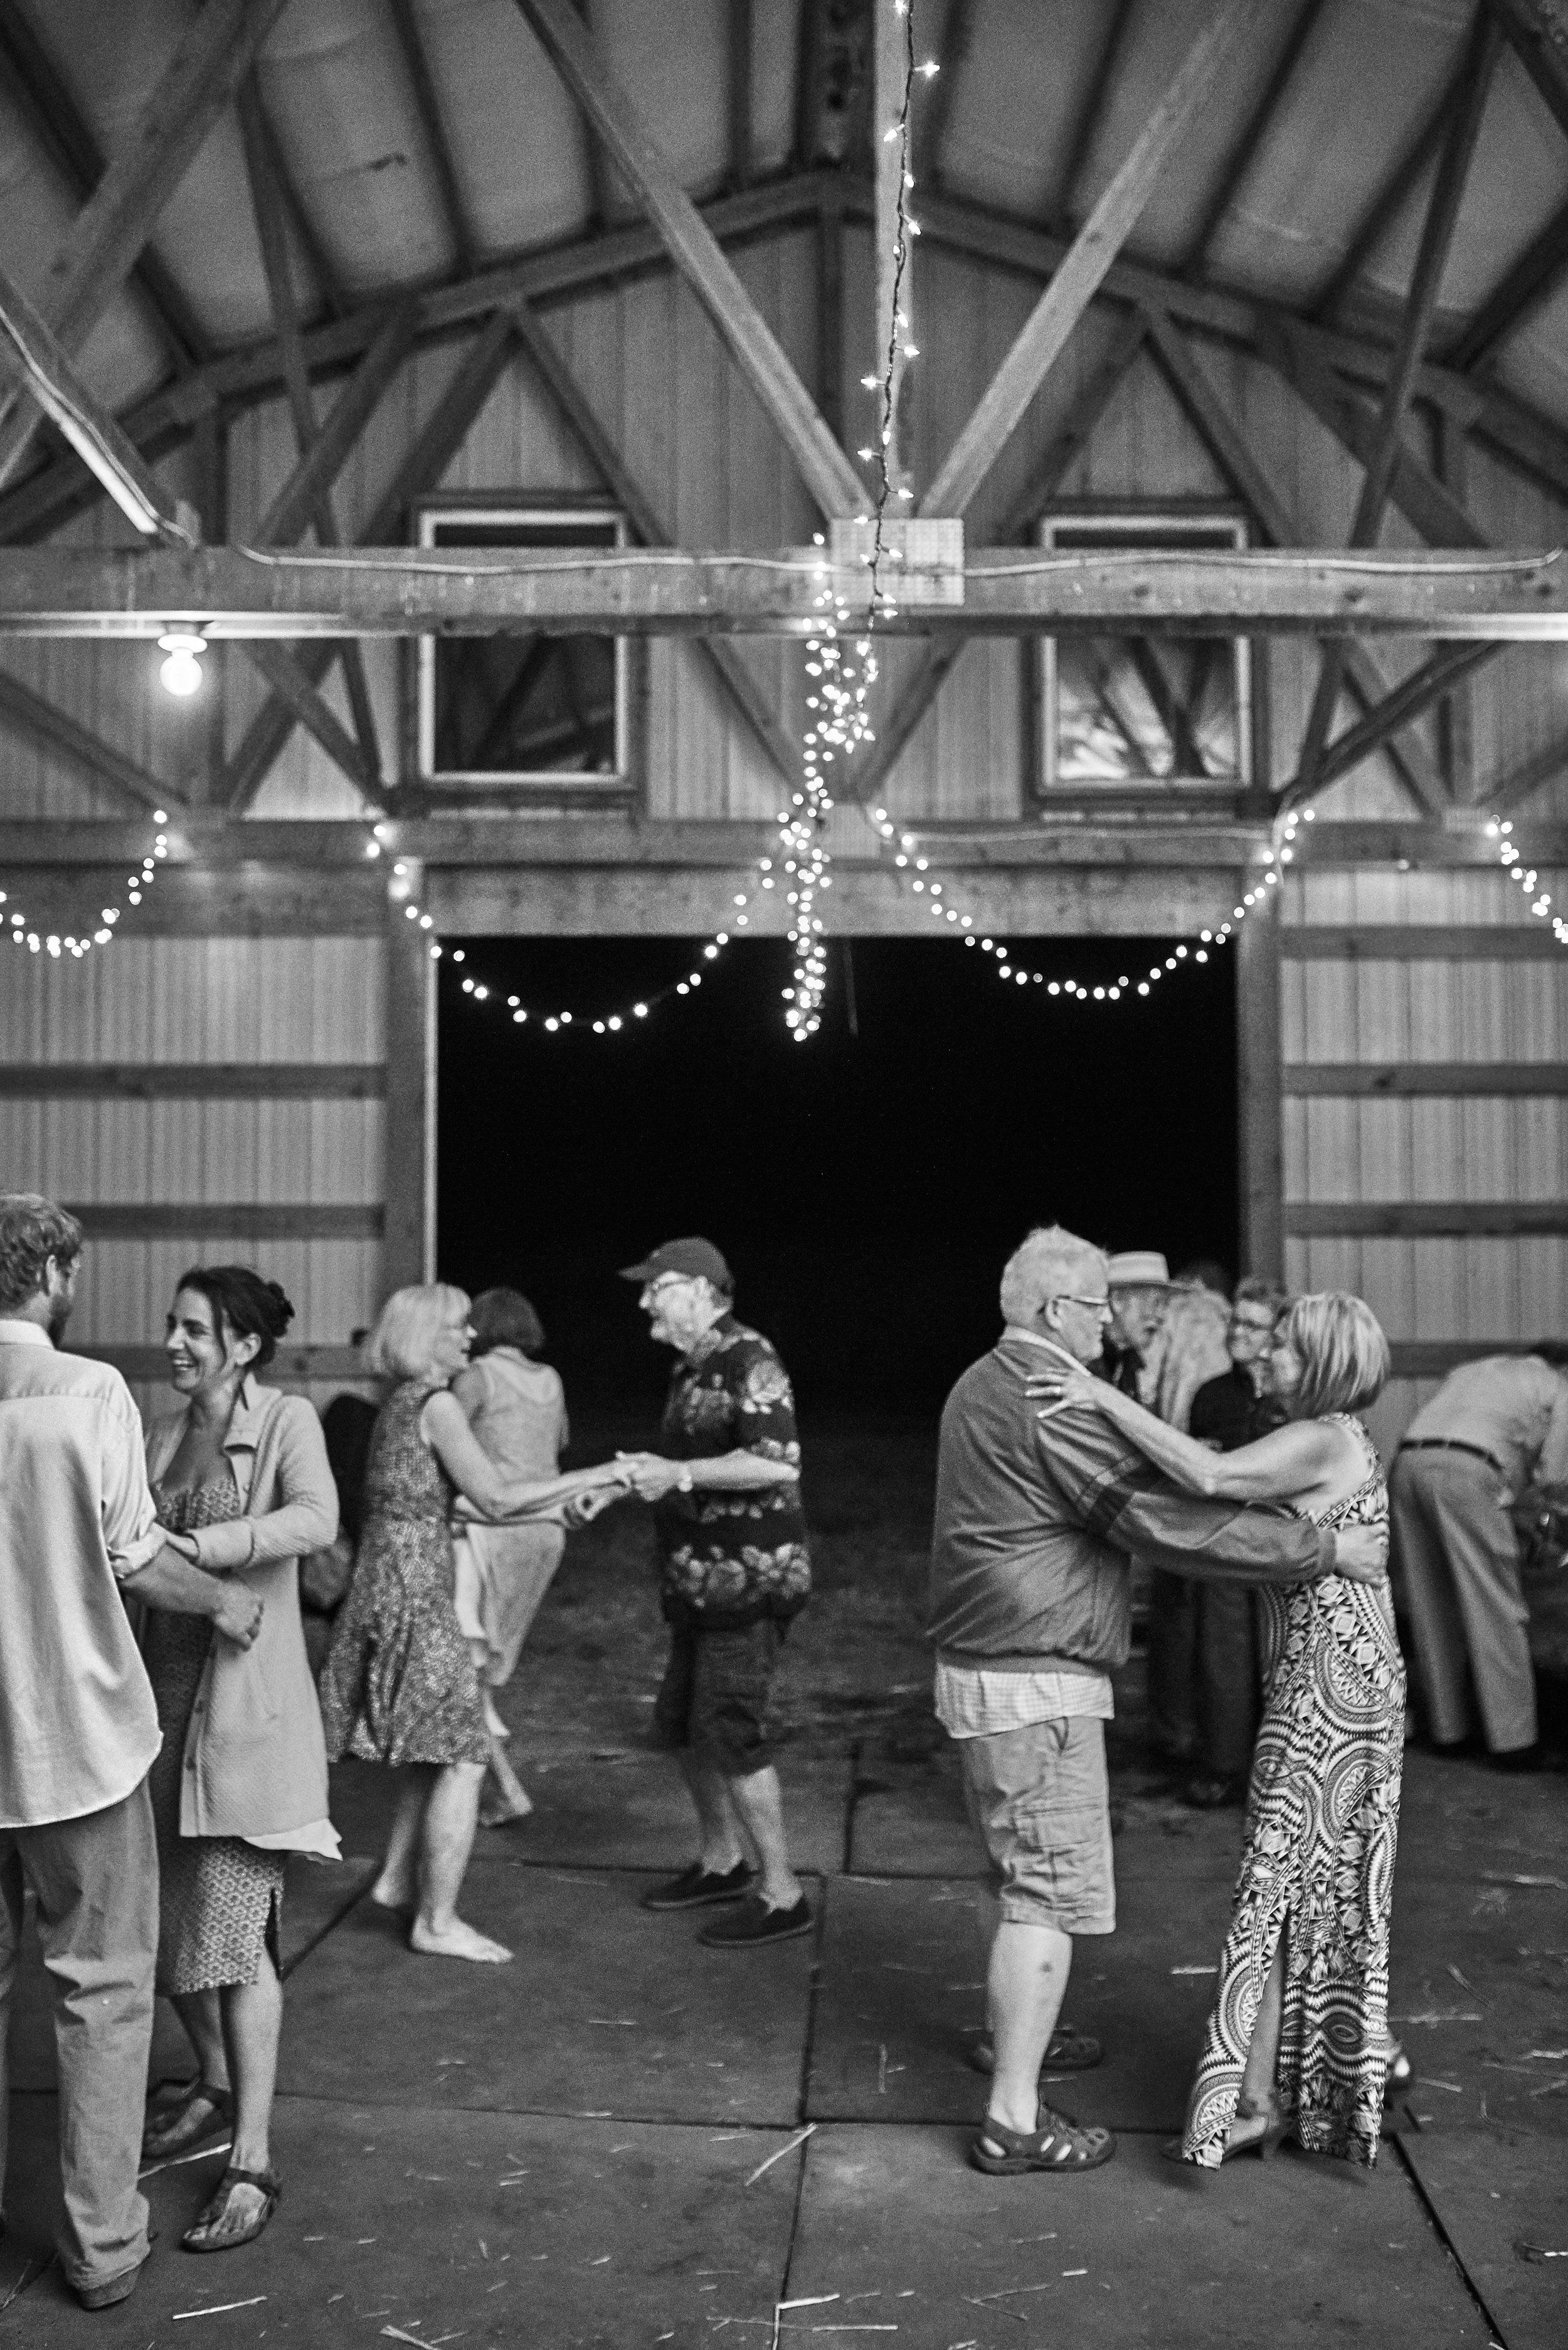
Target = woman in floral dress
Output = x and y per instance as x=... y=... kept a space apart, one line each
x=1298 y=2038
x=399 y=1685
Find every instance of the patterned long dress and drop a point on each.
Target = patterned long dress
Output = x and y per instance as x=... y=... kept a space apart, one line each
x=1317 y=1860
x=400 y=1684
x=220 y=1899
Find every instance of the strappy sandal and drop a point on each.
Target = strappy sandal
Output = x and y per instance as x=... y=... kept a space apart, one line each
x=1400 y=2072
x=1261 y=2143
x=178 y=2128
x=216 y=2208
x=1071 y=2051
x=1057 y=2145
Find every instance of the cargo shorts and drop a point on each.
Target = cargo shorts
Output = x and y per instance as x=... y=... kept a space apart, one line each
x=1041 y=1801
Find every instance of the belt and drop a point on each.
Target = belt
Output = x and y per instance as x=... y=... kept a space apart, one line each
x=1451 y=1444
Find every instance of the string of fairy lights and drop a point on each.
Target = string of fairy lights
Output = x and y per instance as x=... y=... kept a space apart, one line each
x=73 y=945
x=1511 y=859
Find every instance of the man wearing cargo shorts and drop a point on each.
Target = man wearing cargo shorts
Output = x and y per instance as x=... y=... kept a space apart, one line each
x=736 y=1571
x=1038 y=1515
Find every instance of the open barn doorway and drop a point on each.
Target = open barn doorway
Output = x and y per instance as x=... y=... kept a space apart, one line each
x=867 y=1187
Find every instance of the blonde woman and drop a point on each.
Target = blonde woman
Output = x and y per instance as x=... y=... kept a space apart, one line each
x=400 y=1684
x=1298 y=2038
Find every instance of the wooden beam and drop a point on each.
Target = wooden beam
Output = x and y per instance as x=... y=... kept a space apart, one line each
x=1456 y=711
x=427 y=106
x=893 y=257
x=1390 y=198
x=33 y=357
x=1252 y=137
x=1250 y=482
x=1532 y=280
x=305 y=228
x=1404 y=702
x=113 y=228
x=236 y=1219
x=738 y=90
x=98 y=760
x=1518 y=595
x=833 y=84
x=1084 y=128
x=736 y=680
x=1083 y=267
x=54 y=122
x=1511 y=790
x=1259 y=1125
x=1434 y=1359
x=830 y=314
x=1421 y=942
x=294 y=686
x=192 y=1081
x=419 y=469
x=865 y=775
x=692 y=248
x=1425 y=1080
x=1415 y=328
x=320 y=465
x=935 y=113
x=291 y=1367
x=411 y=1029
x=1423 y=1219
x=1540 y=39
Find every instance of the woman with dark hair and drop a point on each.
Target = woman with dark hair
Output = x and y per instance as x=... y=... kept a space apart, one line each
x=242 y=1487
x=1298 y=2039
x=517 y=1410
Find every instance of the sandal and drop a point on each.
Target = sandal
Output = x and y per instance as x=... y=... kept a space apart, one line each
x=1400 y=2072
x=216 y=2209
x=200 y=2114
x=1057 y=2145
x=1070 y=2051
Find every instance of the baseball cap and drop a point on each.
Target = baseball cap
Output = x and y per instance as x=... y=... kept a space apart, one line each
x=1138 y=1269
x=690 y=1258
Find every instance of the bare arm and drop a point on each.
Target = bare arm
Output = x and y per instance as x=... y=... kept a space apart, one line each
x=306 y=1517
x=170 y=1584
x=726 y=1473
x=479 y=1481
x=1282 y=1466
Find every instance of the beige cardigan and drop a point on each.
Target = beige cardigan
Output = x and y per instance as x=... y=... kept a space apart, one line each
x=256 y=1761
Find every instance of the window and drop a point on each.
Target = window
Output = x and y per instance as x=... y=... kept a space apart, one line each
x=534 y=712
x=1144 y=714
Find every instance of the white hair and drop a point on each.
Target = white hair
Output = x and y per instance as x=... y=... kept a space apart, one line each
x=402 y=1344
x=1050 y=1264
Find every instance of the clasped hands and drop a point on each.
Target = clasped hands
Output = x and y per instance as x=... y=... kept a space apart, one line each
x=650 y=1475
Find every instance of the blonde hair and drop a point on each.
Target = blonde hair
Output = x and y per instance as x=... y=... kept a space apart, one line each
x=1345 y=1356
x=402 y=1342
x=1051 y=1263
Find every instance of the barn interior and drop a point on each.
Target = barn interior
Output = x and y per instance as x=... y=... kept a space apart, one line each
x=438 y=441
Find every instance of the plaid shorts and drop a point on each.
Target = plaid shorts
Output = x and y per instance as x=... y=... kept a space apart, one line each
x=1041 y=1800
x=715 y=1697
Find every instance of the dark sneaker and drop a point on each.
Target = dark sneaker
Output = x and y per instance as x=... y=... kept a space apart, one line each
x=754 y=1923
x=696 y=1887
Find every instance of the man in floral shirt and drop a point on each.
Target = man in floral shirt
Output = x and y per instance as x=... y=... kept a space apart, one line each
x=726 y=1496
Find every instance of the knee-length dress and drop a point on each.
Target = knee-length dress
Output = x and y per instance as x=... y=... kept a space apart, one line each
x=503 y=1572
x=400 y=1683
x=1317 y=1860
x=220 y=1902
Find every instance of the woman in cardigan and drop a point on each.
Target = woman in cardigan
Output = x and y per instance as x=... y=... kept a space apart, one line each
x=242 y=1487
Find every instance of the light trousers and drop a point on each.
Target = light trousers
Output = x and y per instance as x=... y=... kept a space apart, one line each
x=96 y=1882
x=1456 y=1570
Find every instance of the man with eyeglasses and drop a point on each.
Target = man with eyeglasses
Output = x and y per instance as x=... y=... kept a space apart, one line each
x=736 y=1571
x=1038 y=1515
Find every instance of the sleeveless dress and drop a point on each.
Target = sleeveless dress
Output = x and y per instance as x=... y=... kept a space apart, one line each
x=219 y=1901
x=1317 y=1859
x=503 y=1572
x=398 y=1684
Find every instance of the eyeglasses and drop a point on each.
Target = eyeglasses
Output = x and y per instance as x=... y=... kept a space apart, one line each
x=666 y=1281
x=1100 y=1305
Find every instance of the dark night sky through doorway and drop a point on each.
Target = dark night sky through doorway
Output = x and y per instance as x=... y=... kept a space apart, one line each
x=867 y=1190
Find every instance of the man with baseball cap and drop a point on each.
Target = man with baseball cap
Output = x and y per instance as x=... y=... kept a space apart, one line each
x=736 y=1569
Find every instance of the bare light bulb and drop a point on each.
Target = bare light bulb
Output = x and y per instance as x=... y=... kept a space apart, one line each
x=181 y=672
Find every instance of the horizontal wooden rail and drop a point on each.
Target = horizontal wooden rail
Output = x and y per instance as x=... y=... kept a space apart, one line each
x=1434 y=1359
x=1423 y=1080
x=311 y=1362
x=1421 y=942
x=240 y=1220
x=1423 y=1218
x=194 y=1081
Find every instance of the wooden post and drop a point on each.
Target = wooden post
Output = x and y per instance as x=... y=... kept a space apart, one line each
x=1258 y=1087
x=889 y=63
x=211 y=481
x=409 y=1245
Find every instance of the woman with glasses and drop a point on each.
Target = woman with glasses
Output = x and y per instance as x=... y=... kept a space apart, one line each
x=1298 y=2039
x=400 y=1684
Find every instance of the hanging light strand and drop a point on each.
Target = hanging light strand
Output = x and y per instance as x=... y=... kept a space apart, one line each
x=1511 y=859
x=73 y=945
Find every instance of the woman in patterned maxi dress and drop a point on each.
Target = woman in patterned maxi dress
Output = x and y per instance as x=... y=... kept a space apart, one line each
x=399 y=1685
x=1298 y=2038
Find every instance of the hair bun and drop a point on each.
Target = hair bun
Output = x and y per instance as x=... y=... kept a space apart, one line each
x=282 y=1313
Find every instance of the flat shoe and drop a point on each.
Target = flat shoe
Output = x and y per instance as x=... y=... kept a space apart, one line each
x=697 y=1886
x=752 y=1924
x=114 y=2289
x=180 y=2128
x=217 y=2205
x=1400 y=2072
x=1057 y=2145
x=1070 y=2051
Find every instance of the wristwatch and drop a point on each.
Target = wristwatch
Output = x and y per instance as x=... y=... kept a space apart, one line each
x=683 y=1483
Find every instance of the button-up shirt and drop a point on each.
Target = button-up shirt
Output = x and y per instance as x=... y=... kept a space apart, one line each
x=732 y=1557
x=1513 y=1407
x=78 y=1728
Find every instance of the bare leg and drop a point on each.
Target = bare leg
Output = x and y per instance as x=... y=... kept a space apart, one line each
x=451 y=1817
x=758 y=1802
x=1263 y=2055
x=398 y=1885
x=1025 y=1984
x=721 y=1839
x=513 y=1801
x=199 y=2013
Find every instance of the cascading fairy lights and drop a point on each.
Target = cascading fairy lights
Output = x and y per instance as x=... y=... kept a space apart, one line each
x=1511 y=859
x=74 y=944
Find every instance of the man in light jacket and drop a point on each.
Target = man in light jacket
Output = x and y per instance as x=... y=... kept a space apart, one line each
x=1037 y=1518
x=79 y=1731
